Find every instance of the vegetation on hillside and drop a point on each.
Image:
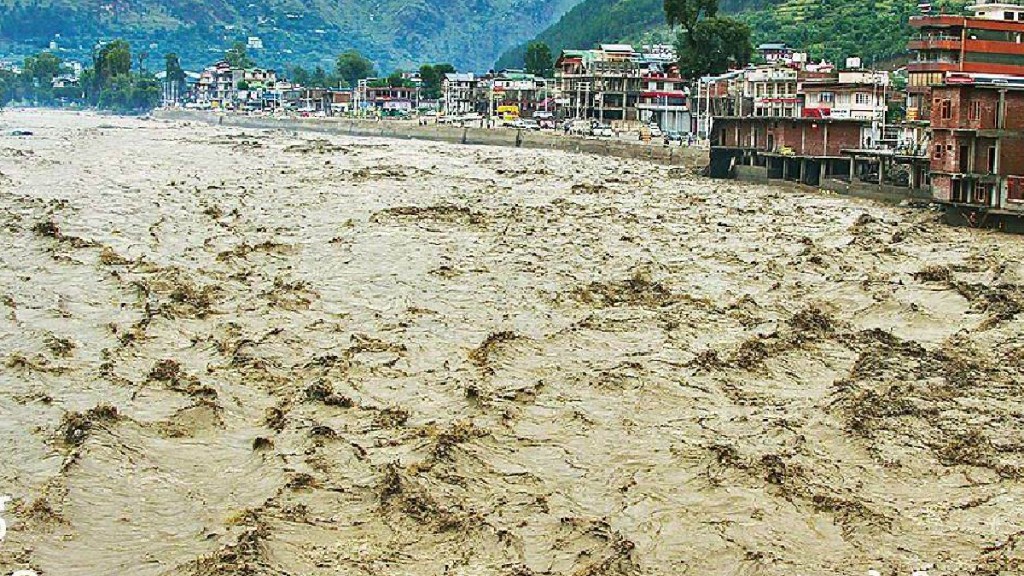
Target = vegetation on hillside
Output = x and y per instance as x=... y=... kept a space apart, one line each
x=832 y=29
x=392 y=33
x=590 y=23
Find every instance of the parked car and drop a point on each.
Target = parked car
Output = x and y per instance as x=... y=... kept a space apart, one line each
x=603 y=131
x=656 y=131
x=526 y=124
x=674 y=136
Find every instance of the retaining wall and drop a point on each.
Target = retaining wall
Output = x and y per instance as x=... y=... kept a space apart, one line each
x=695 y=158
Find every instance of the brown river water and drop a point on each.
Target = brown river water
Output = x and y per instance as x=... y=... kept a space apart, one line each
x=231 y=352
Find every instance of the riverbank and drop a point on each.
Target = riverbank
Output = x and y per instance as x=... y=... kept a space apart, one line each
x=693 y=158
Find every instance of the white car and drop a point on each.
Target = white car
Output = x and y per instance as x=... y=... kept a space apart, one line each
x=656 y=131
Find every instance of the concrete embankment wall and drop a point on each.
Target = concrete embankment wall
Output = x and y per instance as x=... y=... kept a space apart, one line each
x=674 y=155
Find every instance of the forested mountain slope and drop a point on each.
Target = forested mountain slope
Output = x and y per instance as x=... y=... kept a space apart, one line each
x=833 y=29
x=394 y=33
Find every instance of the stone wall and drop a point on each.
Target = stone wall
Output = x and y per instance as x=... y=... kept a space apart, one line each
x=695 y=158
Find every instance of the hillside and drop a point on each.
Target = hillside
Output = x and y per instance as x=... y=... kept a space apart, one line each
x=394 y=33
x=833 y=29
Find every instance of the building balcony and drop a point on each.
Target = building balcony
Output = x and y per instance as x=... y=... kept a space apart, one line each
x=933 y=65
x=935 y=43
x=936 y=21
x=661 y=107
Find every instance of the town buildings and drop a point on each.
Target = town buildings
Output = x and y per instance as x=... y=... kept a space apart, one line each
x=526 y=92
x=389 y=100
x=222 y=86
x=617 y=84
x=850 y=94
x=806 y=123
x=989 y=44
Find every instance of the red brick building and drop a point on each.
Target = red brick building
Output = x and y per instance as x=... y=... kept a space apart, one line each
x=800 y=149
x=791 y=136
x=977 y=151
x=989 y=42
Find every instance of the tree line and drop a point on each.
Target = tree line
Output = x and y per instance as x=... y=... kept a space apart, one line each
x=113 y=82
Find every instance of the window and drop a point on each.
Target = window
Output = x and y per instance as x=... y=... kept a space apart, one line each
x=1007 y=15
x=974 y=110
x=947 y=110
x=1015 y=188
x=826 y=98
x=982 y=192
x=862 y=98
x=991 y=159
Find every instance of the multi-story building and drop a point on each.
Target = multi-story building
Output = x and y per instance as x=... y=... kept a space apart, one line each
x=977 y=149
x=855 y=94
x=604 y=83
x=215 y=85
x=810 y=124
x=459 y=93
x=773 y=90
x=515 y=88
x=988 y=42
x=664 y=100
x=774 y=52
x=224 y=86
x=390 y=100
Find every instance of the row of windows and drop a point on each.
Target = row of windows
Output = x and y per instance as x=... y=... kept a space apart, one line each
x=993 y=35
x=945 y=109
x=995 y=58
x=941 y=151
x=926 y=79
x=830 y=97
x=772 y=89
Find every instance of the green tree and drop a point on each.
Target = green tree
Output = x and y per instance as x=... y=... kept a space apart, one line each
x=432 y=78
x=238 y=57
x=686 y=13
x=42 y=67
x=172 y=66
x=353 y=67
x=115 y=59
x=722 y=43
x=8 y=86
x=319 y=78
x=396 y=79
x=299 y=75
x=707 y=43
x=145 y=93
x=538 y=60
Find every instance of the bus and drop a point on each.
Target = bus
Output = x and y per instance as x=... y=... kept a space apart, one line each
x=508 y=114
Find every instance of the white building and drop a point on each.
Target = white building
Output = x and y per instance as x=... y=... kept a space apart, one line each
x=459 y=93
x=773 y=90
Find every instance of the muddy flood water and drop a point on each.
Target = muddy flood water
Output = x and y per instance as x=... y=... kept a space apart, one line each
x=232 y=352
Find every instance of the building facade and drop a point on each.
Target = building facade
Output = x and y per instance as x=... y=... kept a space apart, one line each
x=977 y=151
x=459 y=93
x=988 y=43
